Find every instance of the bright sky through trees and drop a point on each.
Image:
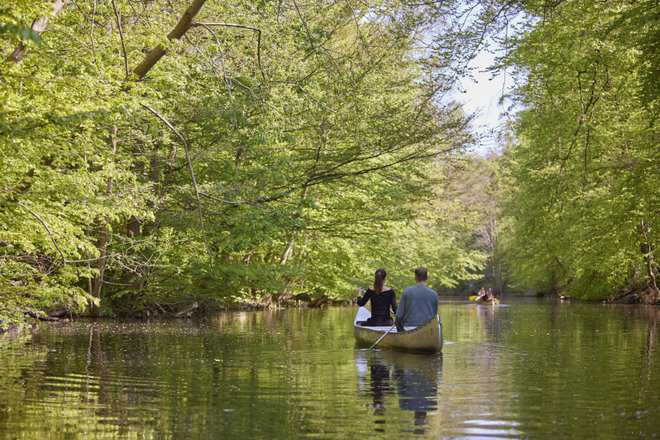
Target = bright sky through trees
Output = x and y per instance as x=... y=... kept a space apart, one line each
x=481 y=95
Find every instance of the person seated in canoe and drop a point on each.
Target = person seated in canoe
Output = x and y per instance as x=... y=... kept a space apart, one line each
x=419 y=303
x=484 y=295
x=383 y=299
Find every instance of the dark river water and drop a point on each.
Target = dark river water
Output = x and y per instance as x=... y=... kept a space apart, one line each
x=525 y=369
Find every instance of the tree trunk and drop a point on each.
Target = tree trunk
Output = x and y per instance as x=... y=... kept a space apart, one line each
x=155 y=54
x=103 y=240
x=647 y=250
x=38 y=26
x=288 y=251
x=97 y=281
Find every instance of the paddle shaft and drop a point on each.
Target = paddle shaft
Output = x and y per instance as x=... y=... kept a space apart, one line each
x=381 y=338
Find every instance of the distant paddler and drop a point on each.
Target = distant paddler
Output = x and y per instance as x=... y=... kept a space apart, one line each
x=485 y=295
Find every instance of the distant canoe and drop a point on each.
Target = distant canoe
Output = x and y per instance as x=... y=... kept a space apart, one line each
x=493 y=301
x=427 y=337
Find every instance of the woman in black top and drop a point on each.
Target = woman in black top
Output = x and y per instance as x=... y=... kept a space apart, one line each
x=382 y=300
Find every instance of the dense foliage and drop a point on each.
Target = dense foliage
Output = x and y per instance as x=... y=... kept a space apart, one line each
x=156 y=154
x=274 y=148
x=584 y=202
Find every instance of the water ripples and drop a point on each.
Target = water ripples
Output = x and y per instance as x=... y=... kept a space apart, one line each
x=518 y=372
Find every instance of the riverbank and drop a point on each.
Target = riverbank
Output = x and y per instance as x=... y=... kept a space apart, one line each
x=188 y=310
x=648 y=296
x=21 y=320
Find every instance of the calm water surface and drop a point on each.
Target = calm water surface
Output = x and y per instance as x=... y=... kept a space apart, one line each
x=524 y=369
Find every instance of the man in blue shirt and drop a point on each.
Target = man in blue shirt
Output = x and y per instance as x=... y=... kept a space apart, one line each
x=418 y=304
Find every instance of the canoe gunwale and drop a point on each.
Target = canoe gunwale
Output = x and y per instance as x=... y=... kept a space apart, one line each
x=398 y=333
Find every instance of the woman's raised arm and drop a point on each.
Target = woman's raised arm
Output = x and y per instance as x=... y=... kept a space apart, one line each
x=362 y=301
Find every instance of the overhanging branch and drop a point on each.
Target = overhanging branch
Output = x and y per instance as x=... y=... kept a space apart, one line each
x=155 y=54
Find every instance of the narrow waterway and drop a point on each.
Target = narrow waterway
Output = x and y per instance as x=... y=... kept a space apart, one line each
x=522 y=369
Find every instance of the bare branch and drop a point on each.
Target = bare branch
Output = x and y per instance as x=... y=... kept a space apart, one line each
x=121 y=37
x=222 y=57
x=186 y=147
x=38 y=26
x=240 y=26
x=304 y=23
x=45 y=225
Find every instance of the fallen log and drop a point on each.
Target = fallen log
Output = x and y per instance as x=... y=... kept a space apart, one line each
x=187 y=312
x=46 y=318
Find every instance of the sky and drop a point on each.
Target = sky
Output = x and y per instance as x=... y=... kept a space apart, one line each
x=481 y=95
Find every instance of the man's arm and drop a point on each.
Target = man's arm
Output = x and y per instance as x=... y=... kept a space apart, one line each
x=401 y=311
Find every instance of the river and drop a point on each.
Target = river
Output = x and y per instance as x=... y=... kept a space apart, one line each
x=524 y=369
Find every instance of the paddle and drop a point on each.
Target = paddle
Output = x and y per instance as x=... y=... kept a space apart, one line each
x=381 y=338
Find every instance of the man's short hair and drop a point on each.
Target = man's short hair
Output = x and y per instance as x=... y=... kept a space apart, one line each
x=421 y=273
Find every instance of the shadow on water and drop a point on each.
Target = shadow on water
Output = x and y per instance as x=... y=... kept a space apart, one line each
x=413 y=378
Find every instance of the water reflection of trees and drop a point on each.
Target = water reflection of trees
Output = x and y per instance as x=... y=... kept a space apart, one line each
x=181 y=379
x=286 y=374
x=595 y=361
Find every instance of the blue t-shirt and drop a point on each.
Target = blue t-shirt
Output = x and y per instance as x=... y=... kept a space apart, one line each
x=418 y=305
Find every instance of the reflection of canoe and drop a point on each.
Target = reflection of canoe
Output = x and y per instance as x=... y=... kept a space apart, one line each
x=414 y=376
x=429 y=365
x=427 y=337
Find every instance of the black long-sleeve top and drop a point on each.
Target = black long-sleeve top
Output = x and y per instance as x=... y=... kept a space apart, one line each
x=381 y=303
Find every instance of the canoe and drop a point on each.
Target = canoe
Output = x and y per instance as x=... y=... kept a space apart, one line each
x=426 y=337
x=493 y=301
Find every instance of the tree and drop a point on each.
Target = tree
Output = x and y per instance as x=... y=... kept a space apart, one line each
x=264 y=156
x=585 y=204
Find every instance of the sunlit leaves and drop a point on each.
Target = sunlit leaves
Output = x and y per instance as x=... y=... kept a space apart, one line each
x=581 y=171
x=322 y=146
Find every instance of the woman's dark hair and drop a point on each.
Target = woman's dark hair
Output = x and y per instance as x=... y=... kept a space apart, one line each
x=379 y=280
